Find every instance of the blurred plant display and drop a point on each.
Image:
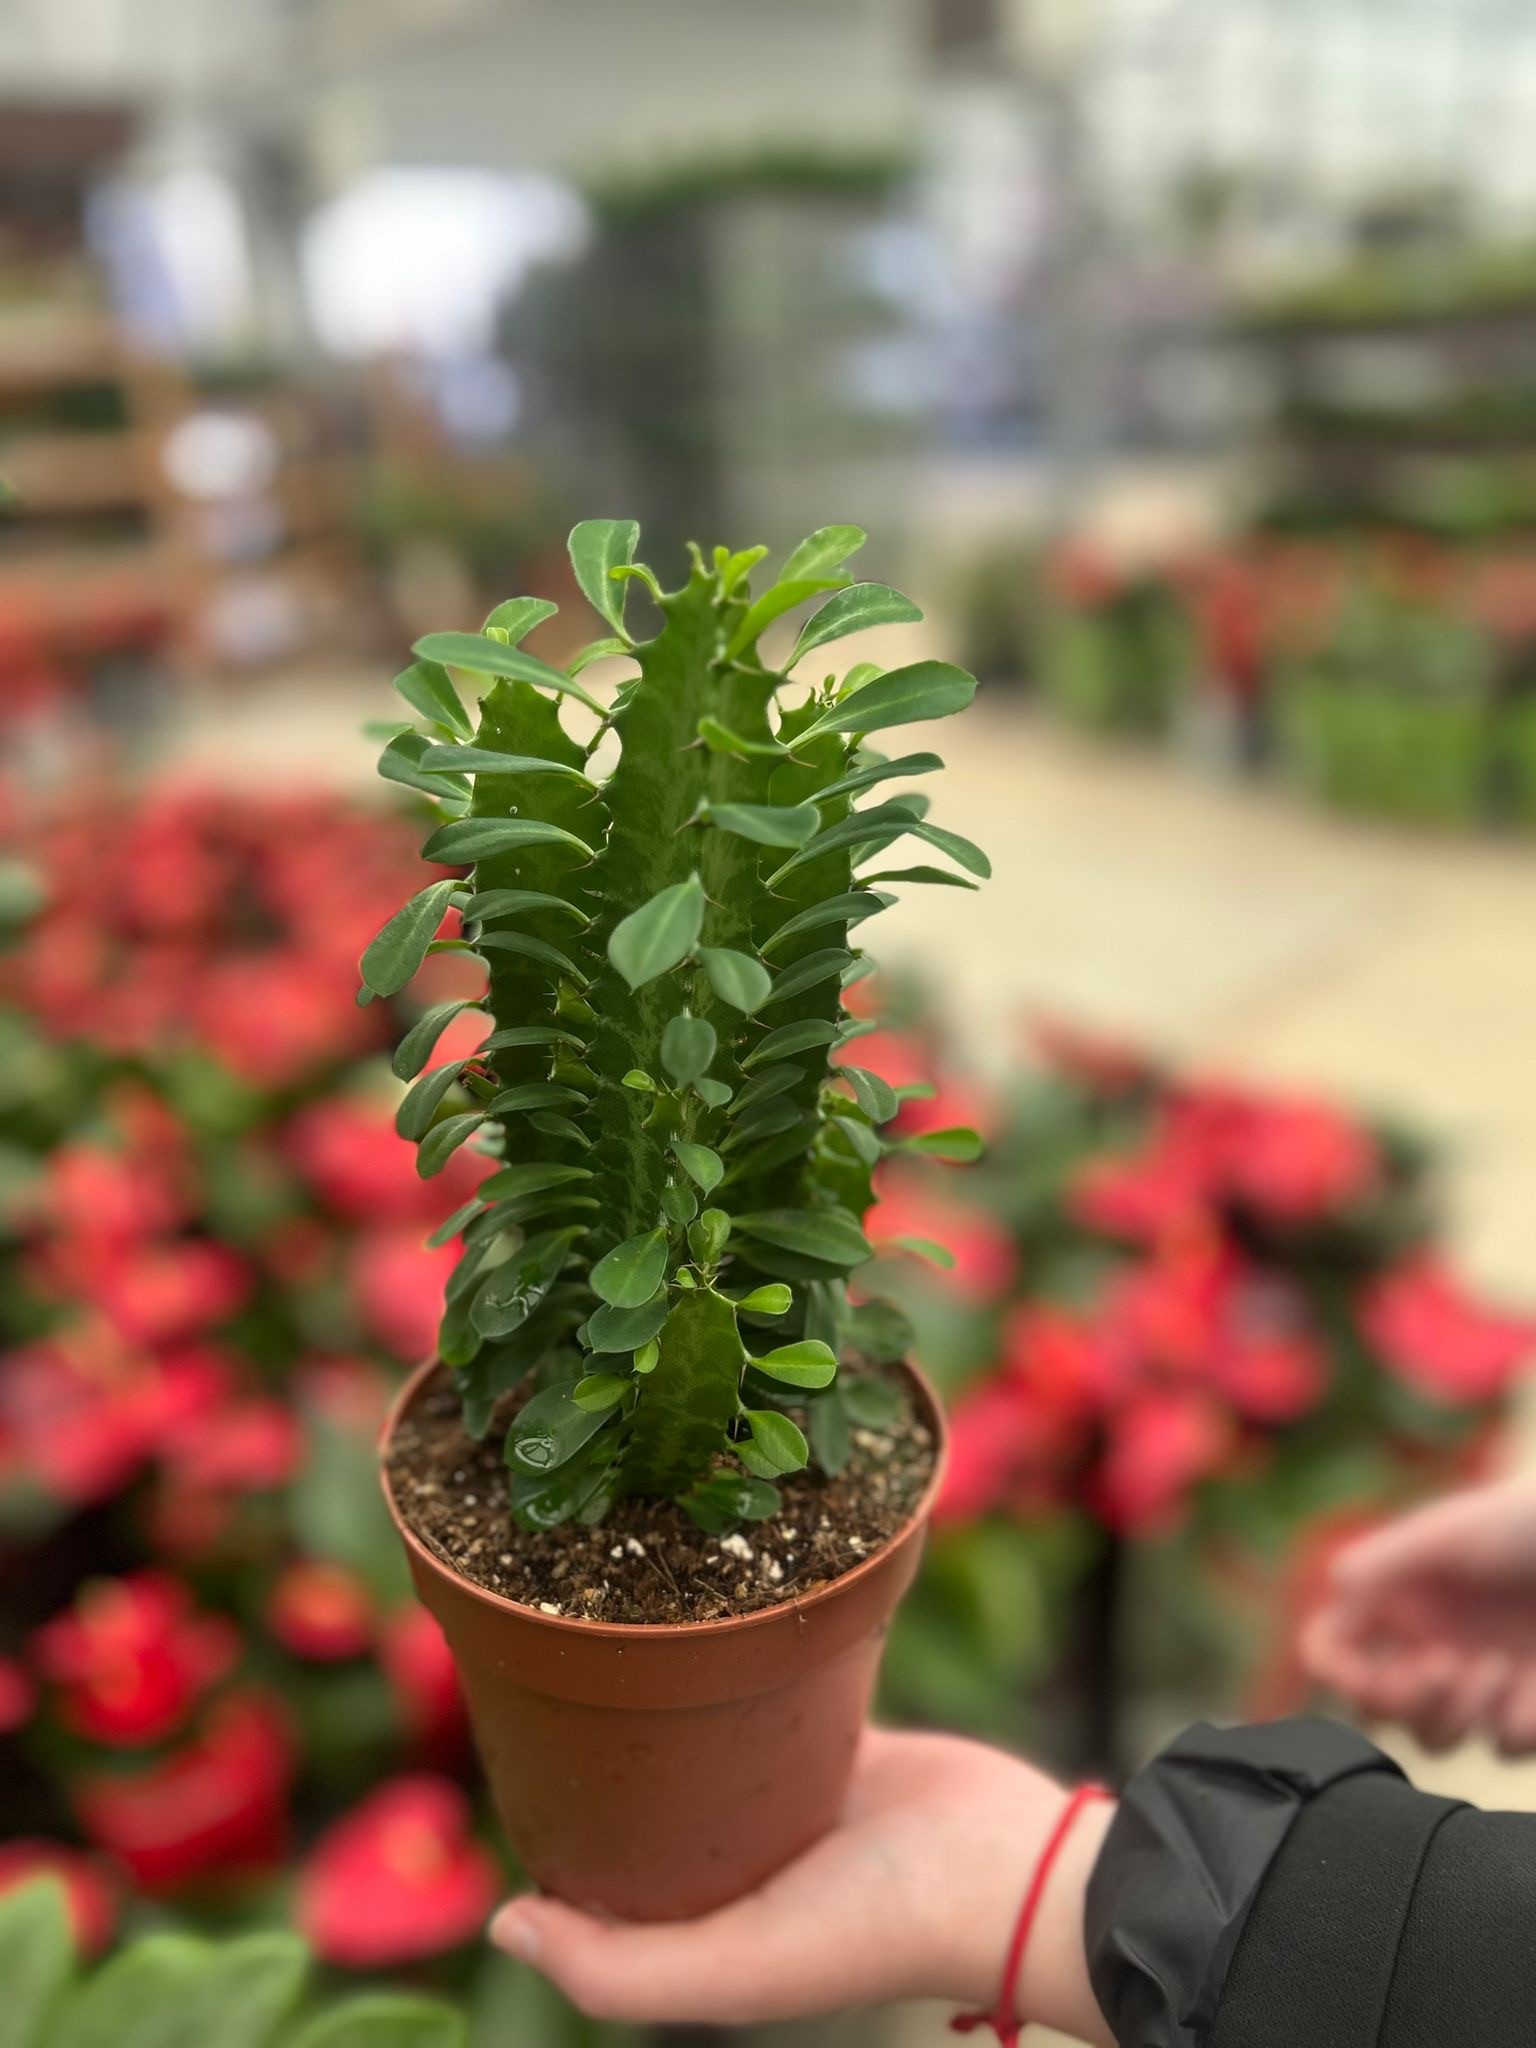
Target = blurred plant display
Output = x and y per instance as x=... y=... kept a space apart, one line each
x=1189 y=1325
x=217 y=1694
x=168 y=1987
x=1391 y=675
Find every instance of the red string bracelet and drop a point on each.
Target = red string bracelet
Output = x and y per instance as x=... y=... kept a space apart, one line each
x=1002 y=2022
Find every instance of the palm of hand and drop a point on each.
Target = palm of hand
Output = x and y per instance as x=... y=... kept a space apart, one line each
x=1432 y=1621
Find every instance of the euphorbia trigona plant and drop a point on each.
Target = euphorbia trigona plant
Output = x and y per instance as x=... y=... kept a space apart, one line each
x=683 y=1159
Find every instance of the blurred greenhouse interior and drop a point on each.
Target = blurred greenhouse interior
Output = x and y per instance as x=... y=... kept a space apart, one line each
x=1179 y=358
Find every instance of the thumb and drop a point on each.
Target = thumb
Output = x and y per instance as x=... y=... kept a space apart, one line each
x=733 y=1967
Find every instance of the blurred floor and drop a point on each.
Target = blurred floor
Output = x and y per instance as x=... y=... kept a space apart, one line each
x=1212 y=921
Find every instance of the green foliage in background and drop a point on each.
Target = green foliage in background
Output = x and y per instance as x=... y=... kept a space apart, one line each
x=177 y=1991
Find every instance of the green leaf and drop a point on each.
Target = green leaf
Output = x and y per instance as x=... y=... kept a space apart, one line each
x=648 y=1356
x=515 y=617
x=736 y=978
x=426 y=688
x=958 y=1143
x=679 y=1204
x=923 y=690
x=809 y=973
x=879 y=771
x=399 y=949
x=850 y=909
x=459 y=760
x=598 y=547
x=780 y=1443
x=721 y=740
x=531 y=949
x=530 y=1034
x=687 y=1047
x=965 y=851
x=764 y=1086
x=926 y=1248
x=534 y=1177
x=595 y=650
x=939 y=875
x=600 y=1391
x=873 y=1402
x=831 y=1235
x=401 y=761
x=719 y=1504
x=700 y=1164
x=768 y=824
x=798 y=1036
x=851 y=611
x=876 y=827
x=443 y=1140
x=807 y=1364
x=772 y=1300
x=451 y=1227
x=626 y=1329
x=660 y=934
x=481 y=655
x=418 y=1044
x=716 y=1093
x=630 y=1274
x=382 y=2019
x=171 y=1991
x=831 y=1438
x=468 y=839
x=876 y=1097
x=783 y=597
x=419 y=1106
x=36 y=1954
x=865 y=1144
x=707 y=1238
x=733 y=568
x=827 y=548
x=509 y=902
x=528 y=1095
x=550 y=1429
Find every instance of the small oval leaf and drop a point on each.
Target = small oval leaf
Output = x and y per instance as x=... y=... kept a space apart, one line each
x=660 y=934
x=807 y=1364
x=399 y=949
x=630 y=1274
x=736 y=978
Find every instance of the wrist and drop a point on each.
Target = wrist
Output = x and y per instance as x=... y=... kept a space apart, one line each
x=1054 y=1989
x=983 y=1908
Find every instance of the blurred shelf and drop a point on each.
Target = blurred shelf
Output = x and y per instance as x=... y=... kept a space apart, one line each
x=81 y=472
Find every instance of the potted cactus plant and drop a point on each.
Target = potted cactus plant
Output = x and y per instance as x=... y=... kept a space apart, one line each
x=664 y=1483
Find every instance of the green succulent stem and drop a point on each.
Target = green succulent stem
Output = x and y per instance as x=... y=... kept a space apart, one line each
x=665 y=1128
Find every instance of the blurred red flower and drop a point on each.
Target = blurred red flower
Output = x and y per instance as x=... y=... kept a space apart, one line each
x=397 y=1879
x=89 y=1891
x=1438 y=1339
x=321 y=1612
x=398 y=1283
x=1159 y=1446
x=18 y=1695
x=983 y=1248
x=218 y=1805
x=425 y=1682
x=131 y=1658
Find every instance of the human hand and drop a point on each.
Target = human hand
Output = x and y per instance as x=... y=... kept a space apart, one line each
x=913 y=1894
x=1432 y=1620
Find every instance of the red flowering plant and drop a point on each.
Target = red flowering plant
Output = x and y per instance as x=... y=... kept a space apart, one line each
x=1181 y=1321
x=215 y=1687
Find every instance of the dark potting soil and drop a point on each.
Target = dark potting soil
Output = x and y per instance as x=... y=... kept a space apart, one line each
x=647 y=1562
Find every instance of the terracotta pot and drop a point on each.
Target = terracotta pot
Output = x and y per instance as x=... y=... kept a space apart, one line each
x=657 y=1772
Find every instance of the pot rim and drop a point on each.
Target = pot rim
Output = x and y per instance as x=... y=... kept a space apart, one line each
x=665 y=1631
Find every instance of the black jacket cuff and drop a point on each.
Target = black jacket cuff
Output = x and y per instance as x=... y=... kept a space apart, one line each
x=1183 y=1861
